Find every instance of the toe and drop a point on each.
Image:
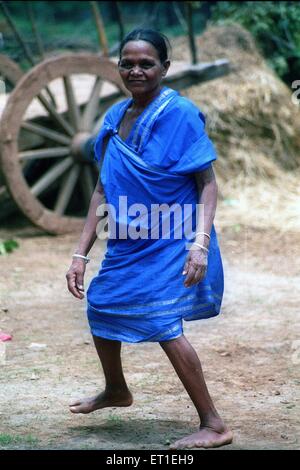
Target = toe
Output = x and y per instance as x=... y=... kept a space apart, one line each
x=75 y=403
x=190 y=445
x=75 y=409
x=174 y=446
x=180 y=445
x=199 y=444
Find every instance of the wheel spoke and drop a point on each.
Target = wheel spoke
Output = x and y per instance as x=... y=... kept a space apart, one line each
x=87 y=184
x=66 y=190
x=98 y=124
x=50 y=176
x=104 y=106
x=53 y=152
x=92 y=106
x=72 y=105
x=44 y=132
x=56 y=116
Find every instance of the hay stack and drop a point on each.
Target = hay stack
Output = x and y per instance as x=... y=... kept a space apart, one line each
x=254 y=126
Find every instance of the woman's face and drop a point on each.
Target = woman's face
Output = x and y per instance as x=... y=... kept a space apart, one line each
x=140 y=67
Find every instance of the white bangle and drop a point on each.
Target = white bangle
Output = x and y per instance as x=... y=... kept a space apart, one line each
x=86 y=258
x=201 y=246
x=202 y=233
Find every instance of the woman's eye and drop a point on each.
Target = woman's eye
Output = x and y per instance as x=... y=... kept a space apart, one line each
x=147 y=66
x=128 y=65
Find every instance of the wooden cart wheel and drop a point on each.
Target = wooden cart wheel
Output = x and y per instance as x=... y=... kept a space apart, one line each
x=52 y=184
x=10 y=70
x=10 y=73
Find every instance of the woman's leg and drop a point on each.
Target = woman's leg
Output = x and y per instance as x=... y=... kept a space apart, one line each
x=212 y=432
x=116 y=392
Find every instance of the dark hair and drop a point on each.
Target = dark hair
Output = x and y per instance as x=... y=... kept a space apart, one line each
x=157 y=39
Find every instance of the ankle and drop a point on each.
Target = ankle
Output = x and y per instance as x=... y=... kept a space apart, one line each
x=116 y=388
x=212 y=421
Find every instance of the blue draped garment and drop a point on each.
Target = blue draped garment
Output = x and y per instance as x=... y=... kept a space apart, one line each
x=138 y=294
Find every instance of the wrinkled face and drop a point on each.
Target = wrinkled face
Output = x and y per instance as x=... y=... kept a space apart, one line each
x=140 y=67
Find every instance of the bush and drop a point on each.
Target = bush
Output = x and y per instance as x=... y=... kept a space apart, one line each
x=275 y=27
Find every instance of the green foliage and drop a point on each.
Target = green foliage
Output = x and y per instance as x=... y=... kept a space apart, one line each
x=8 y=439
x=7 y=246
x=71 y=25
x=275 y=27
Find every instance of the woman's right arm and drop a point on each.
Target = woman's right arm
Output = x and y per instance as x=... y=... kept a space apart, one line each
x=76 y=271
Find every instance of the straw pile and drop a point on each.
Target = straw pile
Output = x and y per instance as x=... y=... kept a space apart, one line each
x=255 y=127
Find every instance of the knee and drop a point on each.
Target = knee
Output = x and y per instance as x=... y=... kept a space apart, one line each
x=168 y=342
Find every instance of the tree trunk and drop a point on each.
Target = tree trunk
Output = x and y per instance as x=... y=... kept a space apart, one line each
x=192 y=42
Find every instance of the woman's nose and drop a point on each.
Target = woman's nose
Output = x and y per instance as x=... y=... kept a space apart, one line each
x=135 y=70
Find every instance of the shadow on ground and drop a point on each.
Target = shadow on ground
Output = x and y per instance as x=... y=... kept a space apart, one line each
x=117 y=433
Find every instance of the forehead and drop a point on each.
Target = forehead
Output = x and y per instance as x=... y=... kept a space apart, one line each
x=139 y=49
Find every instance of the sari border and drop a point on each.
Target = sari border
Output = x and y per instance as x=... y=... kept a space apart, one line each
x=160 y=303
x=137 y=133
x=115 y=334
x=187 y=308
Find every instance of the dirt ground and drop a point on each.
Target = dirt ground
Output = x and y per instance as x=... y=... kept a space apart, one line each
x=250 y=353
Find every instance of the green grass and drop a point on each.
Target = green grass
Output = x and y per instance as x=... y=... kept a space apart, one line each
x=9 y=439
x=115 y=419
x=7 y=246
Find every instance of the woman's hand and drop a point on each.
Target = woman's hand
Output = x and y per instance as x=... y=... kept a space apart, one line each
x=195 y=266
x=75 y=278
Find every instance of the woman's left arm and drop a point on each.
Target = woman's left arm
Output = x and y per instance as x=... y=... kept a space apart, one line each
x=196 y=263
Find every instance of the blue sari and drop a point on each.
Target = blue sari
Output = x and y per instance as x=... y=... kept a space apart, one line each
x=138 y=294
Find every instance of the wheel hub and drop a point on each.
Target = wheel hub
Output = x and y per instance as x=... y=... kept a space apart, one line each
x=78 y=146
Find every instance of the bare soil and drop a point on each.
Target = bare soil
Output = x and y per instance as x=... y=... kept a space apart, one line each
x=250 y=353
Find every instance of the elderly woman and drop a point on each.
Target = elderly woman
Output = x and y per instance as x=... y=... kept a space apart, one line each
x=153 y=151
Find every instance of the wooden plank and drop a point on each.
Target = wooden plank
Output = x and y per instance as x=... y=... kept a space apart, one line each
x=180 y=75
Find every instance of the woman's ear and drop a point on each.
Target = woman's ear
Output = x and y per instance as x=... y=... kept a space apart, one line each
x=166 y=66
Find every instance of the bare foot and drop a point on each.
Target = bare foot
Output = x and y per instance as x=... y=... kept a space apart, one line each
x=206 y=437
x=103 y=400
